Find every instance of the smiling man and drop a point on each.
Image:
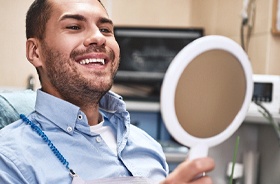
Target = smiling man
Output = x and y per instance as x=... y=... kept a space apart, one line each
x=79 y=127
x=77 y=56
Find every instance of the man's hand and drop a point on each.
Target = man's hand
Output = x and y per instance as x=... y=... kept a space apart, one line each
x=188 y=171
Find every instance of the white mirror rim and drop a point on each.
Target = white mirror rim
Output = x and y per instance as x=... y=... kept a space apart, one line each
x=173 y=74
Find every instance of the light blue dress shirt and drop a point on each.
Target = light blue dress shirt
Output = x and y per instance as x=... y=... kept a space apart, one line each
x=26 y=158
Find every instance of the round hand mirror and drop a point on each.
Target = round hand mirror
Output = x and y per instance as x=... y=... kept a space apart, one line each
x=206 y=92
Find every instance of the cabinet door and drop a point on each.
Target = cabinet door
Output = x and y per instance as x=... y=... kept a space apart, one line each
x=147 y=121
x=163 y=132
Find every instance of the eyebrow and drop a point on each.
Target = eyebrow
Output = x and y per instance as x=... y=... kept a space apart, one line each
x=73 y=16
x=82 y=18
x=105 y=20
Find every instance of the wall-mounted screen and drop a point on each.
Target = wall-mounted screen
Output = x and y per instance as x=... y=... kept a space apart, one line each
x=145 y=56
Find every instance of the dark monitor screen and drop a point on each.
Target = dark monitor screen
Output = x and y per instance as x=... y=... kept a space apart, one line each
x=262 y=92
x=145 y=56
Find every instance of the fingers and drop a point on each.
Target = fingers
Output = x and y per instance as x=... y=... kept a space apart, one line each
x=199 y=166
x=203 y=180
x=188 y=171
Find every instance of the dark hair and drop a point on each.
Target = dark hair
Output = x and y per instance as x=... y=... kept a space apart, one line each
x=36 y=18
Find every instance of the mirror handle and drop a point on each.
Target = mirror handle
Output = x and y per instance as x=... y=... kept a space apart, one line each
x=198 y=151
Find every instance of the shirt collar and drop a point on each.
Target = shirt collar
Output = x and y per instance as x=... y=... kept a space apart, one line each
x=56 y=110
x=65 y=114
x=112 y=102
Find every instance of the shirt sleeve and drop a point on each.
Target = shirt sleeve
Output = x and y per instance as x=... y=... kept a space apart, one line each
x=9 y=172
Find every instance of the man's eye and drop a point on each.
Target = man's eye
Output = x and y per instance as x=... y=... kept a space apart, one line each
x=73 y=27
x=103 y=30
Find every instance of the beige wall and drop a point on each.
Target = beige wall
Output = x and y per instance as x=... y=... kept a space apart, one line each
x=222 y=17
x=14 y=68
x=161 y=13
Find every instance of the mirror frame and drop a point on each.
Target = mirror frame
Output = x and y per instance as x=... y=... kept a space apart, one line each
x=173 y=74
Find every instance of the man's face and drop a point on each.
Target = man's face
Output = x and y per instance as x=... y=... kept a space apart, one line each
x=80 y=55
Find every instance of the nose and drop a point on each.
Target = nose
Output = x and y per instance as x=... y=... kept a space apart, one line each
x=95 y=37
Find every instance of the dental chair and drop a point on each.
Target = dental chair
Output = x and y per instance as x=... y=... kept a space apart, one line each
x=14 y=103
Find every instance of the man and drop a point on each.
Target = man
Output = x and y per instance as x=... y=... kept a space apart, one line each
x=78 y=124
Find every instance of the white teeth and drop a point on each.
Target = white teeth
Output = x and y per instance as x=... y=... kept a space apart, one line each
x=87 y=61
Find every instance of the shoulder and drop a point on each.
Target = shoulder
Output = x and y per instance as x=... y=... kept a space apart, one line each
x=13 y=135
x=11 y=130
x=15 y=138
x=140 y=136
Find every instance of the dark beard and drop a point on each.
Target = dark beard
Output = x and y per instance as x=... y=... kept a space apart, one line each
x=69 y=83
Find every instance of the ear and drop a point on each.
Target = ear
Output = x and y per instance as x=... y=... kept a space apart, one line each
x=33 y=52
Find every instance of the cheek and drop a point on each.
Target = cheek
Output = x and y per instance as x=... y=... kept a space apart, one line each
x=64 y=44
x=117 y=59
x=116 y=50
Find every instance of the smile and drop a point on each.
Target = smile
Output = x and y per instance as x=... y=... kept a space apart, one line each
x=88 y=61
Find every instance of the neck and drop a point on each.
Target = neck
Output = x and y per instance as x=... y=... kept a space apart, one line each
x=92 y=113
x=88 y=103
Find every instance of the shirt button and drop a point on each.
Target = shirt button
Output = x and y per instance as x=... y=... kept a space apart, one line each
x=80 y=117
x=69 y=129
x=98 y=139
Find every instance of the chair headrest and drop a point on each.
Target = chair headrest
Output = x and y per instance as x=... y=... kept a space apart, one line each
x=13 y=103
